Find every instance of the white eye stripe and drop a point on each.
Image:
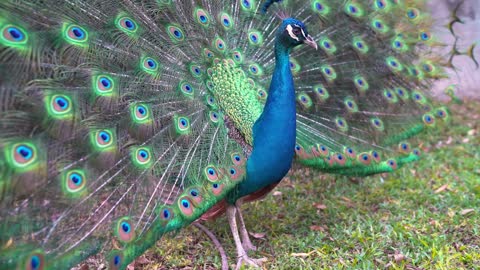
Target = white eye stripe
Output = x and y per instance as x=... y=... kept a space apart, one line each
x=290 y=32
x=303 y=33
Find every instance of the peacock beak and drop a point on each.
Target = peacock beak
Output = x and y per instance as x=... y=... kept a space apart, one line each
x=310 y=42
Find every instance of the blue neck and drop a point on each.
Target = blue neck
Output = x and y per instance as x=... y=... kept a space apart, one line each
x=274 y=132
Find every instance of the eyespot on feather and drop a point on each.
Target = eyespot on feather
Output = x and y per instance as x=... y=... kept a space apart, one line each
x=185 y=206
x=13 y=36
x=341 y=124
x=195 y=196
x=166 y=214
x=22 y=155
x=392 y=164
x=364 y=158
x=34 y=261
x=238 y=159
x=339 y=159
x=175 y=33
x=212 y=173
x=126 y=24
x=226 y=21
x=125 y=230
x=116 y=260
x=202 y=17
x=375 y=156
x=103 y=139
x=349 y=152
x=104 y=85
x=75 y=34
x=74 y=182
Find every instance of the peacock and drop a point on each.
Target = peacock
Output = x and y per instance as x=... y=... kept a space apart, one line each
x=121 y=121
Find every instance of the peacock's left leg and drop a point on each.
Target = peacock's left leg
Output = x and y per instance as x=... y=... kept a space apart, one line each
x=241 y=253
x=246 y=242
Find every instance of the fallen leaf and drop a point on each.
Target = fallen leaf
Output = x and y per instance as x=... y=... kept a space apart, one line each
x=142 y=260
x=317 y=228
x=399 y=257
x=261 y=260
x=472 y=132
x=442 y=188
x=258 y=235
x=303 y=255
x=456 y=246
x=320 y=206
x=434 y=223
x=347 y=202
x=465 y=212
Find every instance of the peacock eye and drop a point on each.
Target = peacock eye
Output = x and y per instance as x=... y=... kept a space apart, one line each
x=297 y=31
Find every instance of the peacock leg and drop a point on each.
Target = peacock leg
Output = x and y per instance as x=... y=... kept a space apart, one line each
x=246 y=243
x=241 y=253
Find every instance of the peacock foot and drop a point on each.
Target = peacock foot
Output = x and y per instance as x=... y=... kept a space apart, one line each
x=245 y=260
x=247 y=245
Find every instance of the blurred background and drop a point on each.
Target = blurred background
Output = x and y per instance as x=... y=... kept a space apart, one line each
x=467 y=76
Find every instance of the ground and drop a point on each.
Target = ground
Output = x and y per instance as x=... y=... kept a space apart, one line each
x=424 y=216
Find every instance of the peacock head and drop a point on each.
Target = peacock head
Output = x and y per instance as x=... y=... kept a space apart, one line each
x=293 y=32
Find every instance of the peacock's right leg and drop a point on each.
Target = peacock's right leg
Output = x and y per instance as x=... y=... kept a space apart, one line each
x=241 y=253
x=246 y=242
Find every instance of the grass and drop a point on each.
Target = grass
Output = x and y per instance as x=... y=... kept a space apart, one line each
x=425 y=216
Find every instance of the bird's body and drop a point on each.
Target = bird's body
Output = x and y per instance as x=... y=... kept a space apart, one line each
x=124 y=120
x=272 y=157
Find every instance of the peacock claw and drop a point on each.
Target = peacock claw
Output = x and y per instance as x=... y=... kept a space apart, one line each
x=247 y=246
x=245 y=260
x=242 y=245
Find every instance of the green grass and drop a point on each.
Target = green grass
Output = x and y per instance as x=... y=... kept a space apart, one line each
x=405 y=220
